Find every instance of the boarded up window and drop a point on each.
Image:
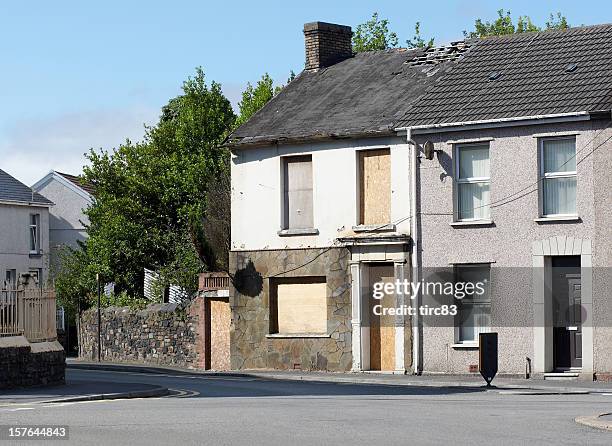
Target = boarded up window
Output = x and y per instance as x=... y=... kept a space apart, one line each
x=297 y=192
x=299 y=306
x=375 y=186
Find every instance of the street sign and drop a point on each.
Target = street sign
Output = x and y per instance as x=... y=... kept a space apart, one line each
x=487 y=356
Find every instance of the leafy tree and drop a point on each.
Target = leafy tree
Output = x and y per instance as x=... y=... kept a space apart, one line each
x=253 y=98
x=504 y=25
x=557 y=22
x=151 y=196
x=418 y=41
x=374 y=35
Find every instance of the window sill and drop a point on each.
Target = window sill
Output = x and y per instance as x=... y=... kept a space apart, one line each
x=293 y=232
x=472 y=223
x=465 y=345
x=557 y=218
x=382 y=227
x=296 y=335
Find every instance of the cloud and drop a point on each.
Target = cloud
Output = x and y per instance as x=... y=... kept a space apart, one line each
x=32 y=147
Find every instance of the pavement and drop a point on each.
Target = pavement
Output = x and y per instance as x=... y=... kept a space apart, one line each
x=506 y=384
x=80 y=390
x=226 y=409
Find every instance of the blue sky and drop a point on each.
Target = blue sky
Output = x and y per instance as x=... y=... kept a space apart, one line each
x=78 y=75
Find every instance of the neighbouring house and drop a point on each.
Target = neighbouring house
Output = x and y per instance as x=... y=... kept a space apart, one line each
x=24 y=239
x=29 y=351
x=519 y=196
x=484 y=161
x=67 y=220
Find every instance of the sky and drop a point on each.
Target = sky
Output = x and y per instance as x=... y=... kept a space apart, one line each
x=78 y=75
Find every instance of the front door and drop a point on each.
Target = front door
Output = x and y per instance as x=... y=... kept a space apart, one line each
x=567 y=312
x=382 y=327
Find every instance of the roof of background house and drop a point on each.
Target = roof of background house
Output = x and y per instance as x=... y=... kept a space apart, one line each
x=522 y=75
x=363 y=95
x=14 y=190
x=79 y=182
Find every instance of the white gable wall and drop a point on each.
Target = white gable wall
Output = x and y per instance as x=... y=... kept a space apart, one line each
x=257 y=194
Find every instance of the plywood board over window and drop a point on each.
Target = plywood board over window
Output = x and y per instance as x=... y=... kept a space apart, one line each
x=299 y=306
x=297 y=192
x=375 y=186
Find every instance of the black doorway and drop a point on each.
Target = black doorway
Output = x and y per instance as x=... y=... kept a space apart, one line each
x=567 y=312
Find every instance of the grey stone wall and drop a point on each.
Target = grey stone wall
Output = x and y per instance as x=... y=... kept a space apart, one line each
x=28 y=365
x=250 y=304
x=165 y=334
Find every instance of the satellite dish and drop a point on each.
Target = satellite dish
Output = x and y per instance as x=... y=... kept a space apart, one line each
x=428 y=149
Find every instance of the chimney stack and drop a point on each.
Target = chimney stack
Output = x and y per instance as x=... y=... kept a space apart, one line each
x=326 y=44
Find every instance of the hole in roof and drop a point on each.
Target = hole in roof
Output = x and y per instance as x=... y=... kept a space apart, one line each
x=571 y=67
x=494 y=75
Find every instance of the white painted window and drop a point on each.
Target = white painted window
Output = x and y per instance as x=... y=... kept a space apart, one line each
x=558 y=177
x=472 y=172
x=299 y=306
x=34 y=233
x=297 y=192
x=474 y=309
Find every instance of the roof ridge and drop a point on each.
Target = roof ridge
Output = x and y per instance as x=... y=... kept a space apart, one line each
x=571 y=29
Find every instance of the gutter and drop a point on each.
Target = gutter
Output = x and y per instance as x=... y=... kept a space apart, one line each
x=416 y=244
x=498 y=122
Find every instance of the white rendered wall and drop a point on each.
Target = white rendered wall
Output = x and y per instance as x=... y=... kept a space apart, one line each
x=257 y=192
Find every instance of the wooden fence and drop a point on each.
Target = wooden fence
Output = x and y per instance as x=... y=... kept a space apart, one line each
x=31 y=313
x=214 y=281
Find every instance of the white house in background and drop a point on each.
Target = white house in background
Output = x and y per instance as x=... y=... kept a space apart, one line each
x=67 y=220
x=24 y=232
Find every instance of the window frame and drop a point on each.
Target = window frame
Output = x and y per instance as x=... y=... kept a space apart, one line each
x=543 y=176
x=458 y=341
x=273 y=304
x=37 y=238
x=284 y=200
x=471 y=180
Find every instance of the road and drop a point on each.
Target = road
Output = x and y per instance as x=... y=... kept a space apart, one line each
x=233 y=410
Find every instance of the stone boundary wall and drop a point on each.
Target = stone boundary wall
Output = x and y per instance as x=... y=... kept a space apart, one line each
x=25 y=364
x=162 y=334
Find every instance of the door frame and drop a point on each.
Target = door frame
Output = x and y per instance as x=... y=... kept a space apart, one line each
x=362 y=255
x=542 y=253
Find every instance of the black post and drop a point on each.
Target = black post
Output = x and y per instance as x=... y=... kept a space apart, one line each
x=99 y=318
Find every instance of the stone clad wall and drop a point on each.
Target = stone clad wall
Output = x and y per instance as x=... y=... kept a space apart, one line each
x=25 y=364
x=250 y=305
x=164 y=334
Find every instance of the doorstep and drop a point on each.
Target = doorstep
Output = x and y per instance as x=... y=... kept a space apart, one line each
x=561 y=376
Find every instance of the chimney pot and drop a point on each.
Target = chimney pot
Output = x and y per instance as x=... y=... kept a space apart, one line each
x=326 y=44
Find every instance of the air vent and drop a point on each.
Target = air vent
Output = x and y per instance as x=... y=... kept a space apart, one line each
x=494 y=75
x=571 y=67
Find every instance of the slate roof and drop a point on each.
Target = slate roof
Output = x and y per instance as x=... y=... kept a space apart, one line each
x=363 y=95
x=535 y=77
x=14 y=190
x=79 y=182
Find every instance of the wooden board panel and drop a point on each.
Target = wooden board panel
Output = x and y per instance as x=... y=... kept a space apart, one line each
x=220 y=314
x=375 y=186
x=302 y=307
x=382 y=328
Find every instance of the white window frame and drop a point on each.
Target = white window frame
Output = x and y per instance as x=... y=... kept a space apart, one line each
x=36 y=227
x=472 y=342
x=543 y=176
x=471 y=180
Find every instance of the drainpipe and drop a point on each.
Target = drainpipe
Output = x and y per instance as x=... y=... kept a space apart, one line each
x=416 y=243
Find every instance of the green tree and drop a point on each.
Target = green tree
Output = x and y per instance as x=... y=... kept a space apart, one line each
x=150 y=197
x=505 y=25
x=253 y=98
x=418 y=41
x=374 y=35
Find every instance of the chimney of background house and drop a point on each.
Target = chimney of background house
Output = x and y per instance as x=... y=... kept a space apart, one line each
x=326 y=44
